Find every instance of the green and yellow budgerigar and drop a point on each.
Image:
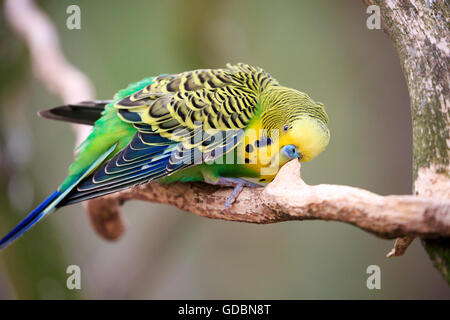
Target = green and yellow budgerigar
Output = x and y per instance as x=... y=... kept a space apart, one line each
x=234 y=126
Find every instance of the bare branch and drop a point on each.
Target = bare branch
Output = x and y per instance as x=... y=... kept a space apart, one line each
x=48 y=62
x=400 y=246
x=288 y=197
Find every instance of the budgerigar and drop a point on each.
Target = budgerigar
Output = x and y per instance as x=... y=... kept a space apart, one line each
x=234 y=126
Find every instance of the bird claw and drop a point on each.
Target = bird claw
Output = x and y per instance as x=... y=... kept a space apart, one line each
x=233 y=196
x=238 y=185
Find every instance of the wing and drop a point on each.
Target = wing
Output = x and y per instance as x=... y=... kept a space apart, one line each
x=214 y=98
x=181 y=120
x=145 y=158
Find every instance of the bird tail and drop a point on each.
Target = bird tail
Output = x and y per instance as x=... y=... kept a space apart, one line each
x=37 y=214
x=86 y=112
x=49 y=204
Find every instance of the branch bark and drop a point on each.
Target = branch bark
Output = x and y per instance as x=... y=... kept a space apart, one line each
x=419 y=30
x=288 y=197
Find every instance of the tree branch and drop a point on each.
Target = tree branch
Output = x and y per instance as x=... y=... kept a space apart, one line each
x=288 y=197
x=48 y=62
x=420 y=33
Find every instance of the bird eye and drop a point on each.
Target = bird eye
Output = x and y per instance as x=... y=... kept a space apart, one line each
x=286 y=128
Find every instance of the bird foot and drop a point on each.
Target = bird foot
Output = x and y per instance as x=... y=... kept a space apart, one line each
x=238 y=185
x=232 y=198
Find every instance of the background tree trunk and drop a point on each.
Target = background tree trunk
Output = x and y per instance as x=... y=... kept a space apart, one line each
x=420 y=32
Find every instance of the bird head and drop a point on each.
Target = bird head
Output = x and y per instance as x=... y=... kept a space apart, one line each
x=300 y=123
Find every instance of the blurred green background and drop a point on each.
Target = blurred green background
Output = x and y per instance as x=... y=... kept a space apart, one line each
x=320 y=47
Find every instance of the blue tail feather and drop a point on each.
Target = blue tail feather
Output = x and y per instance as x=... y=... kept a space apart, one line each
x=49 y=204
x=32 y=218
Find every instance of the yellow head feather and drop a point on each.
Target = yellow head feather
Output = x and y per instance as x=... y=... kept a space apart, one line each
x=299 y=120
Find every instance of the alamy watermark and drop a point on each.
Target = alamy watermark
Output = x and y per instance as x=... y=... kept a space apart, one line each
x=73 y=21
x=374 y=20
x=374 y=280
x=213 y=146
x=74 y=280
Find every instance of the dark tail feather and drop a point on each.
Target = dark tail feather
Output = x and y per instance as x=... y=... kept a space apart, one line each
x=86 y=112
x=31 y=219
x=50 y=203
